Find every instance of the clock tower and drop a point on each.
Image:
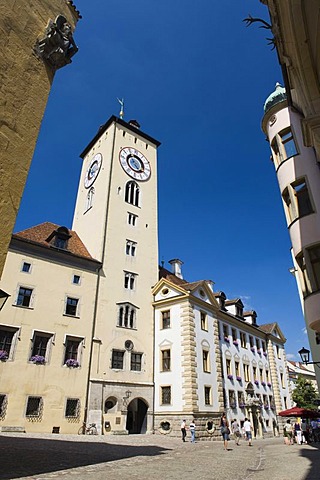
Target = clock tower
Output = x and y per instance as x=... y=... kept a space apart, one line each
x=116 y=218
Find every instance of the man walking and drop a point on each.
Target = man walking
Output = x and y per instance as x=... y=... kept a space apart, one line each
x=248 y=431
x=183 y=430
x=192 y=428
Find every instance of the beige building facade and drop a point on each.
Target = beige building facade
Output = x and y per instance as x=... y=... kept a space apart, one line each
x=28 y=69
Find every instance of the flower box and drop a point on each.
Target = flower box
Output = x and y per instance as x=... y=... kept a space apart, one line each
x=269 y=384
x=235 y=342
x=253 y=349
x=263 y=384
x=233 y=405
x=241 y=405
x=227 y=339
x=259 y=351
x=230 y=376
x=256 y=382
x=239 y=379
x=266 y=407
x=265 y=354
x=3 y=355
x=38 y=359
x=71 y=363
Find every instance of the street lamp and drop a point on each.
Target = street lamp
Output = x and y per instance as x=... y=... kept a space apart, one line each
x=305 y=357
x=3 y=298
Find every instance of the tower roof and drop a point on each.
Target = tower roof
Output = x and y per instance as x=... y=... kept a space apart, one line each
x=279 y=95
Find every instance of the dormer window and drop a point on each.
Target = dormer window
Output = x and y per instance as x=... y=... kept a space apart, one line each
x=59 y=238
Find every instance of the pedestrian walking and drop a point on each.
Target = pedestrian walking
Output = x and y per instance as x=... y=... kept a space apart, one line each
x=297 y=432
x=288 y=433
x=235 y=429
x=248 y=431
x=225 y=430
x=192 y=428
x=183 y=430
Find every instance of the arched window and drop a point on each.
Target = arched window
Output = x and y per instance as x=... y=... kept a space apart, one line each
x=127 y=316
x=132 y=193
x=89 y=200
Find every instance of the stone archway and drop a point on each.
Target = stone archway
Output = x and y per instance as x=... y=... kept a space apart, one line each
x=137 y=416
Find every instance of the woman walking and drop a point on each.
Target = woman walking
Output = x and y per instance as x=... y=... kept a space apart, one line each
x=225 y=431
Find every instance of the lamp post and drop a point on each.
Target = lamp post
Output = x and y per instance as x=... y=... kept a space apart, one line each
x=3 y=298
x=305 y=357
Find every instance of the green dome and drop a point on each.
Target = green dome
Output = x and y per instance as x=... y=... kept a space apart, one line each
x=279 y=95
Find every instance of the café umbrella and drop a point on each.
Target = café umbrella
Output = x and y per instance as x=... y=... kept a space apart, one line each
x=299 y=412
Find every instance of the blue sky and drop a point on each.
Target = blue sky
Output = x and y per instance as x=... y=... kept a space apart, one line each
x=196 y=79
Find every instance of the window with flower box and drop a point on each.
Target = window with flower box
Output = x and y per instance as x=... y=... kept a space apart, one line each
x=228 y=366
x=225 y=330
x=237 y=368
x=243 y=340
x=73 y=350
x=41 y=343
x=232 y=399
x=251 y=342
x=8 y=336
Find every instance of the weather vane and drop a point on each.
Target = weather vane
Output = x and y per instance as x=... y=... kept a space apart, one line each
x=121 y=114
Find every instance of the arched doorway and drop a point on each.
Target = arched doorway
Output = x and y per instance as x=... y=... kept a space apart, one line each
x=137 y=416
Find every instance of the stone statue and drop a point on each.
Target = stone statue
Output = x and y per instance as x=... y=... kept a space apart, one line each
x=58 y=46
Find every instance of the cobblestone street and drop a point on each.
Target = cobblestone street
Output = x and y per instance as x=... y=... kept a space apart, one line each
x=29 y=456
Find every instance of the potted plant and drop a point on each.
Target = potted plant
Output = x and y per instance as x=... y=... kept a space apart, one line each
x=269 y=384
x=230 y=376
x=239 y=379
x=235 y=342
x=227 y=339
x=263 y=384
x=3 y=355
x=256 y=382
x=72 y=363
x=38 y=359
x=265 y=354
x=253 y=349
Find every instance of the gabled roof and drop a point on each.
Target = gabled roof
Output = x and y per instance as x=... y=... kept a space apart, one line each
x=40 y=234
x=164 y=273
x=273 y=329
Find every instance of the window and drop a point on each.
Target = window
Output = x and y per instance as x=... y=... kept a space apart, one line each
x=165 y=319
x=131 y=248
x=297 y=200
x=76 y=279
x=285 y=402
x=24 y=297
x=232 y=399
x=225 y=330
x=317 y=338
x=237 y=368
x=7 y=337
x=254 y=371
x=282 y=380
x=73 y=349
x=263 y=345
x=26 y=267
x=132 y=219
x=278 y=351
x=203 y=321
x=246 y=372
x=228 y=366
x=40 y=346
x=89 y=199
x=127 y=316
x=129 y=280
x=71 y=306
x=251 y=341
x=241 y=400
x=165 y=395
x=283 y=146
x=205 y=361
x=34 y=407
x=3 y=405
x=117 y=359
x=267 y=376
x=258 y=343
x=239 y=310
x=260 y=374
x=207 y=395
x=72 y=408
x=136 y=359
x=234 y=334
x=165 y=360
x=132 y=193
x=243 y=340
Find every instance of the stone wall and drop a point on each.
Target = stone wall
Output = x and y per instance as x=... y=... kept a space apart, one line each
x=24 y=88
x=207 y=425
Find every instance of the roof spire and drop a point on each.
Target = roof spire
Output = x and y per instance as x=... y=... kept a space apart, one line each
x=121 y=101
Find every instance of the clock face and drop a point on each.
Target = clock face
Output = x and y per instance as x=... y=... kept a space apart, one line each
x=93 y=170
x=135 y=164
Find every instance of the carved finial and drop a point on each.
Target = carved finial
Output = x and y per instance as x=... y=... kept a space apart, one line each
x=121 y=101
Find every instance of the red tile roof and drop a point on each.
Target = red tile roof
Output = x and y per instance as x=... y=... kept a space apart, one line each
x=40 y=233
